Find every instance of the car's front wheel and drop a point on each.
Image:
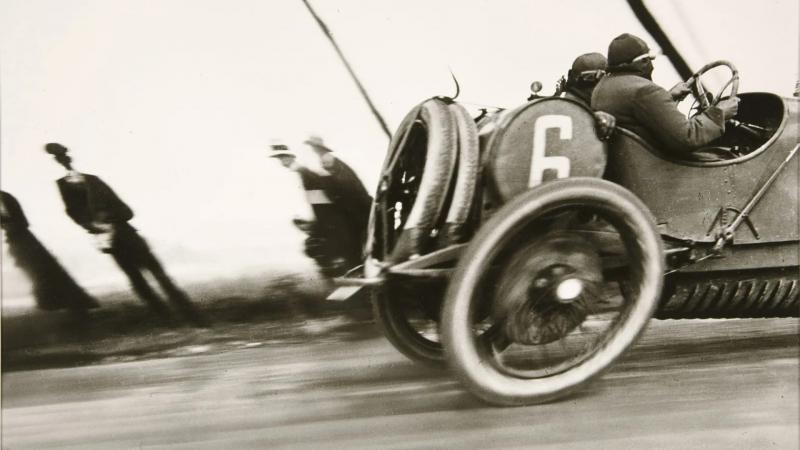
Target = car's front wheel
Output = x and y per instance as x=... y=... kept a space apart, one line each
x=532 y=311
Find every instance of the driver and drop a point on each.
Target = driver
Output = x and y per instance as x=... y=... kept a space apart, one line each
x=645 y=108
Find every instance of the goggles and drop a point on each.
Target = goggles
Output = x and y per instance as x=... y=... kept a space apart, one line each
x=590 y=75
x=651 y=56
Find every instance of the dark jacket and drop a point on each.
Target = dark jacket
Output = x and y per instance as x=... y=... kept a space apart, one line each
x=93 y=201
x=348 y=187
x=349 y=193
x=311 y=180
x=11 y=216
x=582 y=96
x=648 y=110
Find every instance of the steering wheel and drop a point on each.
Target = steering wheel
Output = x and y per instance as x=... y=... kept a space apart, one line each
x=699 y=92
x=706 y=100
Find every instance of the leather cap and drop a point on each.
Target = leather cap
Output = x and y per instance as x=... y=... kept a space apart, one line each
x=624 y=48
x=589 y=61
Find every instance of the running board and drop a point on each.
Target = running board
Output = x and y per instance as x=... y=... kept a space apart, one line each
x=419 y=267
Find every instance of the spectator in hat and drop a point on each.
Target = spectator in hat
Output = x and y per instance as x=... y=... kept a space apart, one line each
x=53 y=287
x=93 y=205
x=638 y=104
x=346 y=190
x=330 y=242
x=586 y=72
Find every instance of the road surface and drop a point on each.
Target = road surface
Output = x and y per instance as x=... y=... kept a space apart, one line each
x=686 y=384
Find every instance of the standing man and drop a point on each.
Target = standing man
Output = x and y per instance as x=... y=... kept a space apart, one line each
x=53 y=287
x=93 y=205
x=330 y=243
x=346 y=190
x=629 y=94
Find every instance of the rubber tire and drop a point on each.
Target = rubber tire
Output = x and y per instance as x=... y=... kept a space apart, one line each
x=390 y=316
x=466 y=176
x=462 y=354
x=436 y=177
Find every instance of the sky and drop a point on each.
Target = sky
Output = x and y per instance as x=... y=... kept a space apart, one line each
x=173 y=103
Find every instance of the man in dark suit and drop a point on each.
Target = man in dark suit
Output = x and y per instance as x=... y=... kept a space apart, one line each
x=53 y=287
x=346 y=190
x=93 y=205
x=331 y=242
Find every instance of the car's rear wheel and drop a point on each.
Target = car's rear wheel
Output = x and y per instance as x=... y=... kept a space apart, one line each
x=423 y=202
x=408 y=315
x=530 y=313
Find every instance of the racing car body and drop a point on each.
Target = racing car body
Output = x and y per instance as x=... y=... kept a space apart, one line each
x=534 y=273
x=686 y=197
x=694 y=202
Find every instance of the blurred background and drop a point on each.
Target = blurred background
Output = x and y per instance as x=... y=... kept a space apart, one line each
x=174 y=103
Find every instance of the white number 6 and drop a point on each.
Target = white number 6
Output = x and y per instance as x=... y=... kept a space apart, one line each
x=539 y=161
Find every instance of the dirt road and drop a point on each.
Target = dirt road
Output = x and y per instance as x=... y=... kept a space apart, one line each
x=687 y=384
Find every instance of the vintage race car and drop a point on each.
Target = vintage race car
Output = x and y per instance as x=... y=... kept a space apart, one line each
x=529 y=248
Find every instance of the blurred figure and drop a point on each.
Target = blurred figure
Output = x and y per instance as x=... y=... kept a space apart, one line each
x=346 y=190
x=94 y=206
x=586 y=72
x=330 y=243
x=53 y=287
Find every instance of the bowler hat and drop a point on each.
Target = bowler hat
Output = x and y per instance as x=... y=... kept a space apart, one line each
x=625 y=48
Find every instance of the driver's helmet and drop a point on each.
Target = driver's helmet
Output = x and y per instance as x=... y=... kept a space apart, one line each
x=627 y=48
x=587 y=70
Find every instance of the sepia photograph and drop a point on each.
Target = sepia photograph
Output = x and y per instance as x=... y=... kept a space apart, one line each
x=352 y=224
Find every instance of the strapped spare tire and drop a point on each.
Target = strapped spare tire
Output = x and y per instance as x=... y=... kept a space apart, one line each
x=415 y=181
x=458 y=213
x=419 y=206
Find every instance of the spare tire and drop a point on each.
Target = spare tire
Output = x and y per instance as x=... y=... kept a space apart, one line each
x=415 y=180
x=466 y=176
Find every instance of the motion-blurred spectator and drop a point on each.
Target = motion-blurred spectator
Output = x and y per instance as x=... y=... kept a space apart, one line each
x=331 y=242
x=53 y=287
x=93 y=205
x=346 y=190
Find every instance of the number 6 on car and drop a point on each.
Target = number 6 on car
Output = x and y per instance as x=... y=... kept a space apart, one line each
x=540 y=162
x=542 y=140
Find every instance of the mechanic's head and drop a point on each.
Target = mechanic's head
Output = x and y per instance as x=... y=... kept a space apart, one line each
x=587 y=70
x=59 y=152
x=630 y=53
